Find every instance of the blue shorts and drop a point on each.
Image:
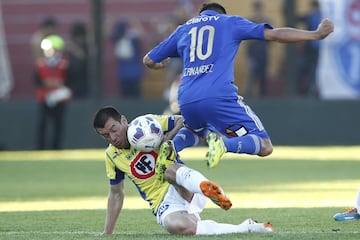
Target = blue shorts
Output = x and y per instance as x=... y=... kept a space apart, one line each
x=230 y=117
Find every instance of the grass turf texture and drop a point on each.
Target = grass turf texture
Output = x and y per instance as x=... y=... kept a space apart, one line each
x=62 y=195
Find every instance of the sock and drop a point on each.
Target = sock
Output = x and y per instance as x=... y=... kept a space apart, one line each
x=189 y=179
x=250 y=144
x=357 y=203
x=185 y=138
x=210 y=227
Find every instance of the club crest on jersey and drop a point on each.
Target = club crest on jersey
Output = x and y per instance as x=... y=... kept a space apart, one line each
x=143 y=165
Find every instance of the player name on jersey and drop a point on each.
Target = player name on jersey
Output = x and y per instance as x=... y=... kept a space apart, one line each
x=198 y=70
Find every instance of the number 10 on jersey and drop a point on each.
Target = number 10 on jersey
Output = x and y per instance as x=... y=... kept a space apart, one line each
x=197 y=41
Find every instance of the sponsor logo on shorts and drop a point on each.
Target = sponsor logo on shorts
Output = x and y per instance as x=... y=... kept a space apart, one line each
x=162 y=208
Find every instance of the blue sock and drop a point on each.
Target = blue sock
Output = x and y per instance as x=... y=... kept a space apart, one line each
x=185 y=138
x=250 y=144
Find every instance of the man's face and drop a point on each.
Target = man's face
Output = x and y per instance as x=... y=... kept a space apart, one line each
x=115 y=132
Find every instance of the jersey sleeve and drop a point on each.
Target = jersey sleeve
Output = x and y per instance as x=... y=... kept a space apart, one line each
x=245 y=29
x=113 y=173
x=167 y=122
x=165 y=49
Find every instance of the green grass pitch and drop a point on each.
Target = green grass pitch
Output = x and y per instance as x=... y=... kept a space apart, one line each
x=62 y=195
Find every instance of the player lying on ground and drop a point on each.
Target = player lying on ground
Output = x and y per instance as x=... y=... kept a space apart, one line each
x=177 y=202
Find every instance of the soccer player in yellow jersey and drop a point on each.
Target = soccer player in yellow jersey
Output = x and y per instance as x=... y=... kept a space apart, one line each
x=177 y=202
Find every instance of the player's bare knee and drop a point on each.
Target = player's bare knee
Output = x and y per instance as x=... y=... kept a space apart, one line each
x=267 y=148
x=180 y=225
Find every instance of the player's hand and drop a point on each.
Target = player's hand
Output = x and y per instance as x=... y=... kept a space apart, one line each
x=325 y=28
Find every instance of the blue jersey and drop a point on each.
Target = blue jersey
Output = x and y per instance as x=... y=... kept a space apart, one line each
x=208 y=45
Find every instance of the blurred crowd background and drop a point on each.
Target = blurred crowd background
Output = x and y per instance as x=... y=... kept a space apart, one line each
x=112 y=36
x=104 y=42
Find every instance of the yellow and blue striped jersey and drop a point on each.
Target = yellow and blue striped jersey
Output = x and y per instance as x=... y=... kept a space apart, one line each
x=139 y=167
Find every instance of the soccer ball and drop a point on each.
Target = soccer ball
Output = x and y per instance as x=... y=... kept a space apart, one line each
x=145 y=133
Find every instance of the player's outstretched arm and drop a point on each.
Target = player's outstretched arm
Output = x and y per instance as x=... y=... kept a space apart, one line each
x=115 y=203
x=289 y=35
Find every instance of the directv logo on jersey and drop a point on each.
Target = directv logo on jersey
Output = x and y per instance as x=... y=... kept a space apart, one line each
x=198 y=70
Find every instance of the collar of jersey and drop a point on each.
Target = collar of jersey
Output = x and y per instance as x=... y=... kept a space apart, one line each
x=209 y=12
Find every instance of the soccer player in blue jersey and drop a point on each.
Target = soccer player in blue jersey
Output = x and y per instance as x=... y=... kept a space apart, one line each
x=177 y=202
x=208 y=44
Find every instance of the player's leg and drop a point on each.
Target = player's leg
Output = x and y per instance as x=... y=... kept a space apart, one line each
x=357 y=203
x=42 y=126
x=242 y=130
x=194 y=119
x=180 y=216
x=185 y=138
x=168 y=150
x=195 y=182
x=211 y=227
x=182 y=222
x=188 y=138
x=58 y=120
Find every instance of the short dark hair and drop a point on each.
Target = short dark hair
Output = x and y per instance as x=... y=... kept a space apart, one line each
x=103 y=114
x=213 y=6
